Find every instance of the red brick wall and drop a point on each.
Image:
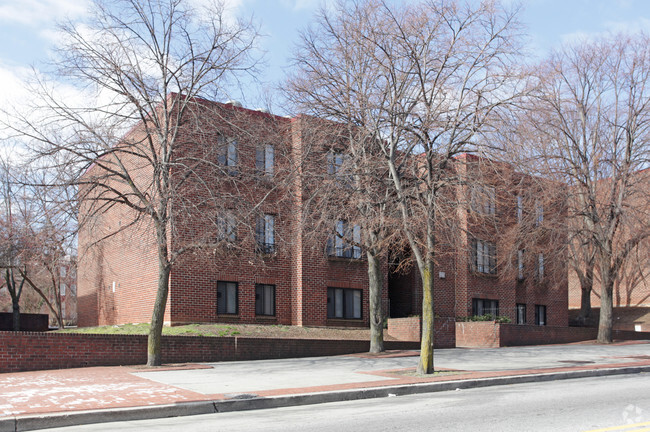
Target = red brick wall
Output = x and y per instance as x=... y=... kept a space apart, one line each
x=408 y=329
x=487 y=334
x=24 y=351
x=479 y=334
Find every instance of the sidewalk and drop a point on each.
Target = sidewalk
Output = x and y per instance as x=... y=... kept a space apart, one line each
x=54 y=398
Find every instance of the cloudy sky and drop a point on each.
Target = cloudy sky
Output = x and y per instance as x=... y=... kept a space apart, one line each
x=27 y=29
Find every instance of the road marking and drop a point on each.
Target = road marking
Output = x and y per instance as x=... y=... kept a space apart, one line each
x=628 y=427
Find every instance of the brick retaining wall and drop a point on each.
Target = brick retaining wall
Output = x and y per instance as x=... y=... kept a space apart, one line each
x=23 y=351
x=487 y=334
x=408 y=329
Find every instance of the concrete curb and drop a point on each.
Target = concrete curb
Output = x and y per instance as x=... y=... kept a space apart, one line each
x=44 y=421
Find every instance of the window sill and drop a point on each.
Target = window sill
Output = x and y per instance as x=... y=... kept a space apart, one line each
x=343 y=259
x=345 y=322
x=485 y=275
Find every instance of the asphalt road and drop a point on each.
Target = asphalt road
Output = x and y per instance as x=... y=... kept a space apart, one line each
x=614 y=403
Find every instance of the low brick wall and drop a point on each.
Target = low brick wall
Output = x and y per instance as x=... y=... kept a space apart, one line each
x=405 y=329
x=487 y=334
x=409 y=329
x=23 y=351
x=28 y=322
x=478 y=334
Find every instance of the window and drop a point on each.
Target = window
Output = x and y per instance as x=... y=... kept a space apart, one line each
x=540 y=314
x=226 y=227
x=265 y=233
x=335 y=161
x=346 y=242
x=485 y=307
x=336 y=168
x=520 y=264
x=227 y=298
x=265 y=159
x=343 y=303
x=265 y=299
x=227 y=156
x=520 y=208
x=484 y=257
x=540 y=266
x=539 y=213
x=483 y=200
x=63 y=288
x=521 y=313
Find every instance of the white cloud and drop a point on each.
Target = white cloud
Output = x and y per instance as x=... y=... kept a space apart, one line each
x=37 y=12
x=297 y=5
x=637 y=25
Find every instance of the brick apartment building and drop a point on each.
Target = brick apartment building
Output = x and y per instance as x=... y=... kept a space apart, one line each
x=275 y=275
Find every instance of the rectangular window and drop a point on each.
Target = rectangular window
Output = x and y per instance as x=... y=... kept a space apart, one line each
x=335 y=161
x=482 y=307
x=521 y=313
x=226 y=227
x=343 y=303
x=520 y=264
x=540 y=266
x=265 y=159
x=228 y=154
x=484 y=257
x=540 y=314
x=265 y=233
x=265 y=299
x=227 y=298
x=520 y=208
x=63 y=288
x=483 y=200
x=346 y=242
x=539 y=213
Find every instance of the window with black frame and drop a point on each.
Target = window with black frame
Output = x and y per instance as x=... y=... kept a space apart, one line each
x=265 y=299
x=344 y=303
x=227 y=297
x=521 y=313
x=484 y=257
x=346 y=242
x=540 y=315
x=481 y=307
x=265 y=234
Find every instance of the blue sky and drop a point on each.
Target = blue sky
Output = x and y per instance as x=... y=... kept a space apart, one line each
x=28 y=34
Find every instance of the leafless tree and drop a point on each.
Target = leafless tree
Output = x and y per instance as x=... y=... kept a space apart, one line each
x=347 y=177
x=39 y=229
x=144 y=67
x=424 y=79
x=588 y=127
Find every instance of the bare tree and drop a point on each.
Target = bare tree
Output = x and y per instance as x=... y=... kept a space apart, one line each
x=347 y=177
x=148 y=63
x=590 y=125
x=11 y=245
x=423 y=79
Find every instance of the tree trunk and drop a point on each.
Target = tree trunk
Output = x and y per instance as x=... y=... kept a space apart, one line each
x=15 y=314
x=586 y=286
x=425 y=366
x=376 y=283
x=154 y=345
x=605 y=324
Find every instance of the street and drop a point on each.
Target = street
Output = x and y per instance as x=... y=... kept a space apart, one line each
x=620 y=403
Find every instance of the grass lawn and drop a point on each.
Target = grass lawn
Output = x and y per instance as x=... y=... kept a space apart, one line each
x=245 y=330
